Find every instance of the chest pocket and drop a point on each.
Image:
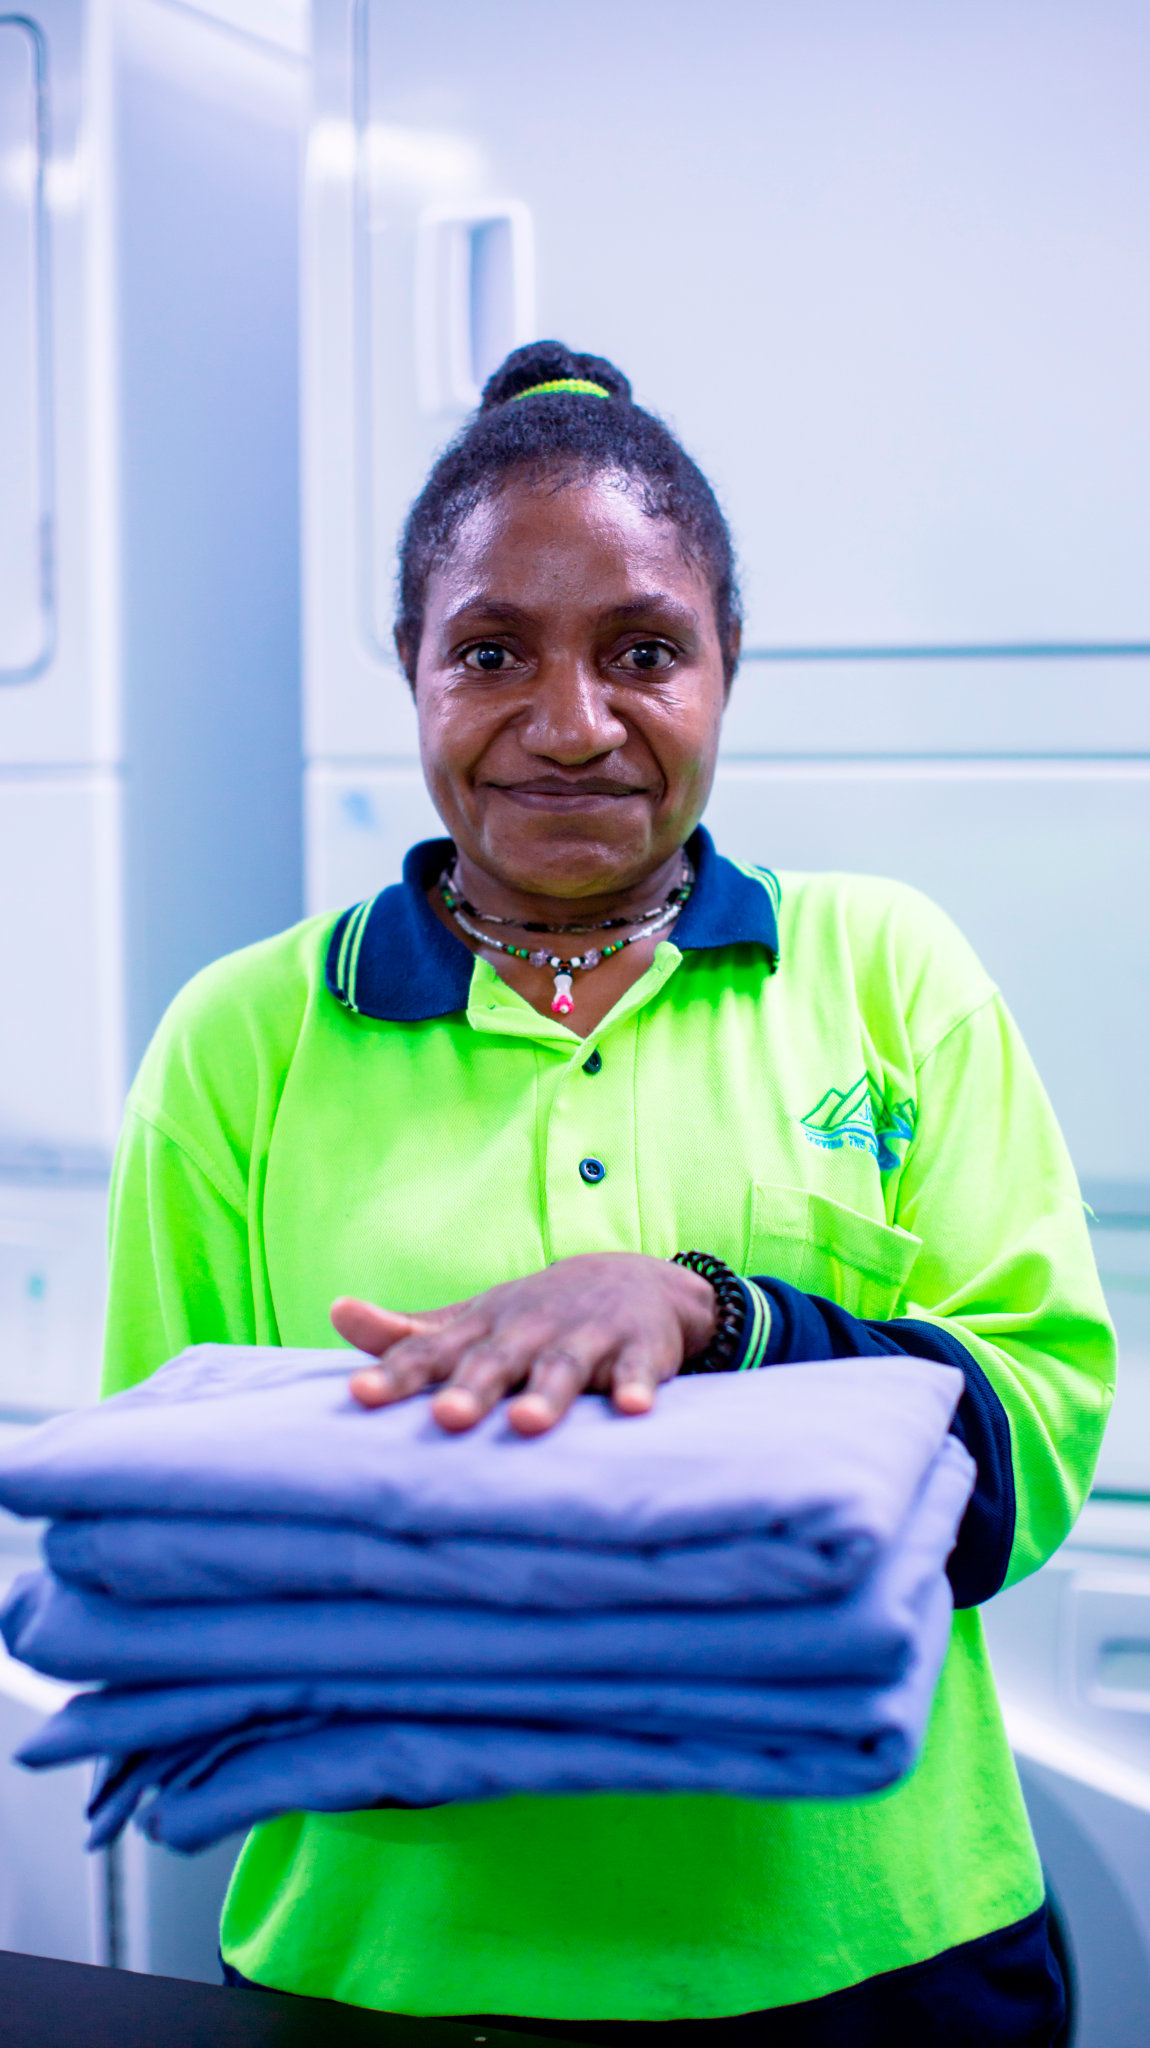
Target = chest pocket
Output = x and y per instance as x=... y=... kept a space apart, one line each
x=825 y=1248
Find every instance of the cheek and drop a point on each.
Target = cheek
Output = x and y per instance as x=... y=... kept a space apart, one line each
x=440 y=728
x=454 y=734
x=686 y=749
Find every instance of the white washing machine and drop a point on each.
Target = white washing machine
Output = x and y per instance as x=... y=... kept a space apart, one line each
x=1071 y=1650
x=149 y=702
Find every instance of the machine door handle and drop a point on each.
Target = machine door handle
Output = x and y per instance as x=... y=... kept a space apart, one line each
x=475 y=298
x=1110 y=1639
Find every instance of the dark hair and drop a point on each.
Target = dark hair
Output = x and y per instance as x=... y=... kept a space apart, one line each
x=552 y=434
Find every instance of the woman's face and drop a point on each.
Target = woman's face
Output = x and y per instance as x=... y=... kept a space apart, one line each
x=569 y=686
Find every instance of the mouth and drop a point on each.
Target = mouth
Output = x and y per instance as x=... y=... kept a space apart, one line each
x=549 y=795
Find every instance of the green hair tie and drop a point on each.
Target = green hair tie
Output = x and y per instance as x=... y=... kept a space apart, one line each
x=579 y=384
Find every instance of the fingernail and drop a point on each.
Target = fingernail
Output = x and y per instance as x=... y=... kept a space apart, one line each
x=531 y=1414
x=635 y=1398
x=455 y=1408
x=369 y=1387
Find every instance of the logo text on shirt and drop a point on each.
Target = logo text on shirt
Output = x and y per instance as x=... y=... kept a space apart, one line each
x=863 y=1117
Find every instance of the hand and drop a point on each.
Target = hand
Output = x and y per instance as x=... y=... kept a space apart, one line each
x=614 y=1321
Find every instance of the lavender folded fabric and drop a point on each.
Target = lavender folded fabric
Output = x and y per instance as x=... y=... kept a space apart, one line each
x=867 y=1635
x=193 y=1793
x=826 y=1456
x=170 y=1560
x=289 y=1603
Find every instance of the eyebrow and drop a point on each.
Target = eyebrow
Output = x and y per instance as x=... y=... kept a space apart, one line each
x=637 y=607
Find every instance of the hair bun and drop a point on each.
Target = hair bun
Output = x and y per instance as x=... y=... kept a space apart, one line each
x=542 y=362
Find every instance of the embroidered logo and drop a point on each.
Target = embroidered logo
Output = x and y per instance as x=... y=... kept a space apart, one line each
x=863 y=1117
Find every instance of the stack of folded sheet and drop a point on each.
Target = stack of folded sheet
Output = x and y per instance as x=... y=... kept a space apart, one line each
x=284 y=1602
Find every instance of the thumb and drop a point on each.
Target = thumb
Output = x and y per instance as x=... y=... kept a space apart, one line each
x=375 y=1330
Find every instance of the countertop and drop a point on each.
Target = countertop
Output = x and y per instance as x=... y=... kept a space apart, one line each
x=46 y=2004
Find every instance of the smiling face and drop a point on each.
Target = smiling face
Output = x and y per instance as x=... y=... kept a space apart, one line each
x=569 y=684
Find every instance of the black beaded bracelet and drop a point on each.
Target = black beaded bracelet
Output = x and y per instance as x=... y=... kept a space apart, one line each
x=731 y=1304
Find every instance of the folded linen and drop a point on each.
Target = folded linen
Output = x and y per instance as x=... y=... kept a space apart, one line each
x=868 y=1635
x=156 y=1560
x=367 y=1611
x=826 y=1456
x=190 y=1794
x=124 y=1720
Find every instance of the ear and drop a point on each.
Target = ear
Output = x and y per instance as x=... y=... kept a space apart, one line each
x=734 y=649
x=408 y=656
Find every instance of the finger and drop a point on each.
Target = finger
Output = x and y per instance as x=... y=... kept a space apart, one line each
x=419 y=1359
x=556 y=1379
x=489 y=1368
x=635 y=1375
x=375 y=1329
x=563 y=1369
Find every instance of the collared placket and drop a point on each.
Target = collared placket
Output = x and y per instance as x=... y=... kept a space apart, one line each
x=586 y=1150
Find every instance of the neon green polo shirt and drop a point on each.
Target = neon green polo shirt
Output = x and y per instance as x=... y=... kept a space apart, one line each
x=817 y=1082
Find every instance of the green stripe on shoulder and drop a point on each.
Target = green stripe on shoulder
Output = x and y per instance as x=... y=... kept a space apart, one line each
x=766 y=876
x=348 y=960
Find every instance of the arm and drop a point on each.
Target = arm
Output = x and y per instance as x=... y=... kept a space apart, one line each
x=803 y=1327
x=179 y=1271
x=186 y=1265
x=1005 y=1287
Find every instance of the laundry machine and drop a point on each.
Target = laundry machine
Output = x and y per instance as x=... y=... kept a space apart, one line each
x=149 y=696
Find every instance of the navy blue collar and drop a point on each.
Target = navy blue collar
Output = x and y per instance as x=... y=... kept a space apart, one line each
x=392 y=958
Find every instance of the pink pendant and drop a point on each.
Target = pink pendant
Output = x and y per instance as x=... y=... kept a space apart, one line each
x=561 y=1001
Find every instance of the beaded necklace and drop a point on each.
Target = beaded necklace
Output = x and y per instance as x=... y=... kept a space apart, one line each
x=562 y=1002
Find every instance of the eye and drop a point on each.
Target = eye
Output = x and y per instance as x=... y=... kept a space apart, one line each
x=488 y=657
x=645 y=656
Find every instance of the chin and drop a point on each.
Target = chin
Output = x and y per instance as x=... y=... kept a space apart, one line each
x=559 y=860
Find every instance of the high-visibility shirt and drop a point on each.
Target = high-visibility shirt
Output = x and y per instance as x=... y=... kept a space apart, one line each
x=816 y=1081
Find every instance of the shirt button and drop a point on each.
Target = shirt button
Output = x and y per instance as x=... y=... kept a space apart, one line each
x=592 y=1170
x=592 y=1065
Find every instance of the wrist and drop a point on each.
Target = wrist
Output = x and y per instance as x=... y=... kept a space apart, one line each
x=697 y=1305
x=727 y=1318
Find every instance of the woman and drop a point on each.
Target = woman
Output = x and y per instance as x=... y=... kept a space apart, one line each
x=486 y=1110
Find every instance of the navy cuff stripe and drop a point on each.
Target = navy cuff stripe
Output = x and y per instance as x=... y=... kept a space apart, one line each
x=804 y=1328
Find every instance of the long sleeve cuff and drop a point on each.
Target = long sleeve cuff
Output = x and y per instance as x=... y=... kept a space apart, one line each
x=784 y=1326
x=754 y=1343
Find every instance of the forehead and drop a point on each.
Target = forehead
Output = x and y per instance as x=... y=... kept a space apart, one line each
x=589 y=543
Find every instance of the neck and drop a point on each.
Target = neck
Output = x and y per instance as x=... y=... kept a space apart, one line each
x=491 y=893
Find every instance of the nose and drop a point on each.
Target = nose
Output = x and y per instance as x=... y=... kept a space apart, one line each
x=571 y=719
